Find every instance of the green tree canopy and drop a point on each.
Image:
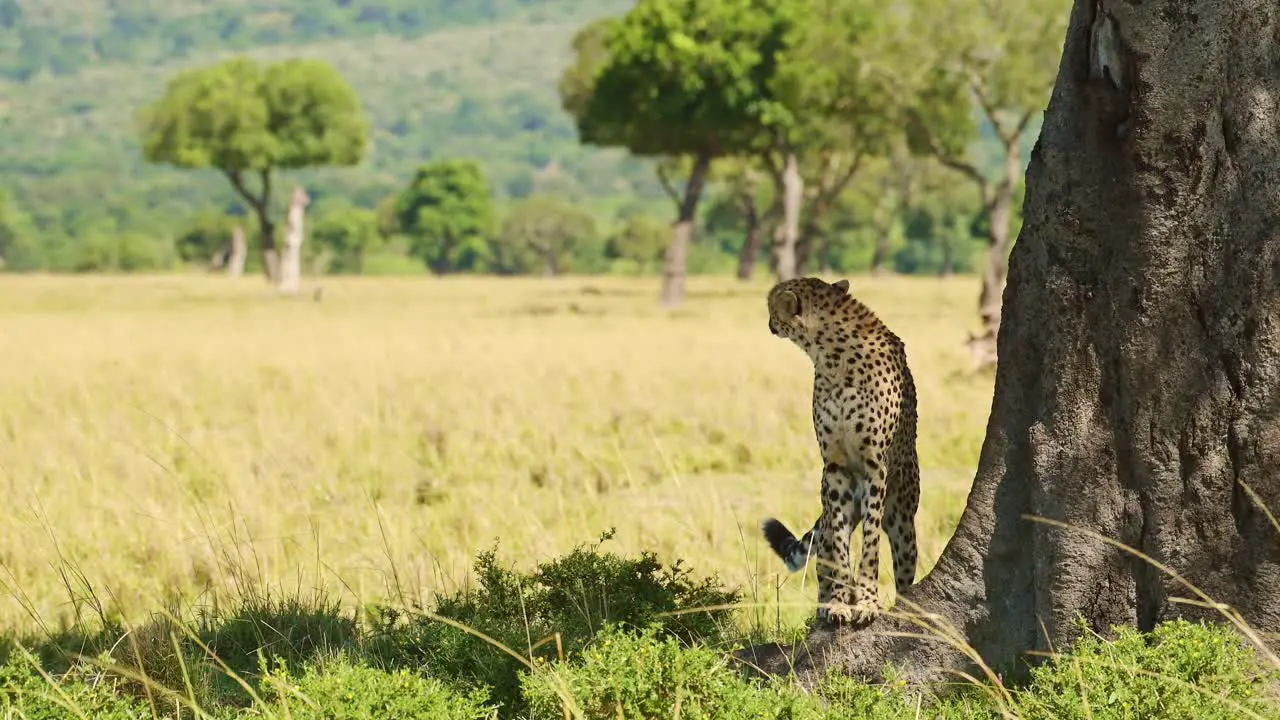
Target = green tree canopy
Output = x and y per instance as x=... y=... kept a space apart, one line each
x=838 y=84
x=447 y=211
x=1002 y=55
x=544 y=233
x=346 y=234
x=681 y=78
x=685 y=77
x=241 y=118
x=204 y=235
x=638 y=238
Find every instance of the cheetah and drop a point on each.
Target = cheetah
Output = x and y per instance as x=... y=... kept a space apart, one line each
x=864 y=416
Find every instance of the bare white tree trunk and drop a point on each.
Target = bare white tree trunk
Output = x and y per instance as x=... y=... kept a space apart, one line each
x=793 y=198
x=291 y=258
x=238 y=254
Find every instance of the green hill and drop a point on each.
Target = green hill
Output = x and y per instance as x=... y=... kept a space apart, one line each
x=437 y=77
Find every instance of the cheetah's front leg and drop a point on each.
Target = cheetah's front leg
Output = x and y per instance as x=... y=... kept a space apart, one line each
x=840 y=500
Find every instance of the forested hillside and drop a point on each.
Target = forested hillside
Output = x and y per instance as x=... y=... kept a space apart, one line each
x=438 y=78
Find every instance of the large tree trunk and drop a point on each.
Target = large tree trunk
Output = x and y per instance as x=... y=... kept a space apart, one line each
x=673 y=272
x=291 y=258
x=792 y=191
x=238 y=252
x=1138 y=380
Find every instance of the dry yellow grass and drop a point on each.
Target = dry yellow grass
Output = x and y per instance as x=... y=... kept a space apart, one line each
x=180 y=435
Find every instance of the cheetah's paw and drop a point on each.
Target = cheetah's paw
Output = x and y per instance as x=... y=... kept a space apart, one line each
x=864 y=612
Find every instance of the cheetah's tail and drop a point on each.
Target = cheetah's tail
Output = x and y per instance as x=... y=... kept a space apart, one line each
x=795 y=553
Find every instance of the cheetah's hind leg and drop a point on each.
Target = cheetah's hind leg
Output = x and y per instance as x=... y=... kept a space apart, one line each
x=795 y=553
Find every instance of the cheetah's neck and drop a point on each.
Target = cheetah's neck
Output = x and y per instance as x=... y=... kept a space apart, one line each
x=852 y=331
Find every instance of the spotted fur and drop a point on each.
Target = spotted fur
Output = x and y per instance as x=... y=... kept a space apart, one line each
x=864 y=416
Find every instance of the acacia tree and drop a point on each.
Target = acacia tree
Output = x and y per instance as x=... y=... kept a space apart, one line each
x=347 y=234
x=838 y=109
x=1000 y=54
x=447 y=212
x=741 y=179
x=680 y=79
x=1137 y=394
x=638 y=238
x=543 y=233
x=242 y=119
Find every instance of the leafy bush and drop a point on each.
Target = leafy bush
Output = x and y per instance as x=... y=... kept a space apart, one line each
x=1180 y=670
x=357 y=691
x=650 y=674
x=554 y=611
x=24 y=693
x=848 y=698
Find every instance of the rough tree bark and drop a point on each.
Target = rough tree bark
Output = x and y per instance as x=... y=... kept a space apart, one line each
x=1138 y=380
x=238 y=252
x=673 y=271
x=291 y=258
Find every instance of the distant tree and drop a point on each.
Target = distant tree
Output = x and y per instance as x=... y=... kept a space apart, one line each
x=242 y=119
x=680 y=79
x=543 y=233
x=447 y=212
x=10 y=14
x=1004 y=57
x=746 y=208
x=346 y=235
x=204 y=237
x=639 y=238
x=19 y=247
x=839 y=106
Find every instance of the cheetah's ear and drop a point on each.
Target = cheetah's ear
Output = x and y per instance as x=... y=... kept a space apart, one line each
x=842 y=286
x=789 y=304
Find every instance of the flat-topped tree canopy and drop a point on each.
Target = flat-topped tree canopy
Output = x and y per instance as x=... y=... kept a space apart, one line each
x=241 y=118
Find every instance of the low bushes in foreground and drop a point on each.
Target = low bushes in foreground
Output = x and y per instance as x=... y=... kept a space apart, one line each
x=588 y=635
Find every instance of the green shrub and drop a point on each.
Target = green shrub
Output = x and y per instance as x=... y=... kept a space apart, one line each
x=1180 y=670
x=356 y=691
x=848 y=698
x=575 y=595
x=24 y=693
x=650 y=674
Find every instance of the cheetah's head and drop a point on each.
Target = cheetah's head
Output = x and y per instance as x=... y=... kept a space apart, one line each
x=797 y=307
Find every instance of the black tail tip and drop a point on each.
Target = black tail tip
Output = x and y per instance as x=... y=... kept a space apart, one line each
x=777 y=534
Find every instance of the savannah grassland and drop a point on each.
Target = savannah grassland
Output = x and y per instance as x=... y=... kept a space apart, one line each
x=170 y=439
x=213 y=495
